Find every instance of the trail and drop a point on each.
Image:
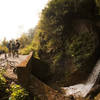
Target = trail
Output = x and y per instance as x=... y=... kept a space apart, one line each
x=17 y=60
x=9 y=64
x=83 y=89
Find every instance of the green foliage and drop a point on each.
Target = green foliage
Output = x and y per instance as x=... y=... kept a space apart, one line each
x=26 y=50
x=24 y=40
x=56 y=26
x=57 y=58
x=51 y=27
x=4 y=42
x=87 y=8
x=17 y=92
x=98 y=3
x=3 y=48
x=3 y=87
x=35 y=42
x=3 y=83
x=98 y=6
x=28 y=43
x=82 y=47
x=57 y=40
x=3 y=45
x=14 y=92
x=52 y=16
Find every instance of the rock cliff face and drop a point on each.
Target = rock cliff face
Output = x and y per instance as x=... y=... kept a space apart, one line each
x=28 y=77
x=35 y=67
x=69 y=39
x=78 y=54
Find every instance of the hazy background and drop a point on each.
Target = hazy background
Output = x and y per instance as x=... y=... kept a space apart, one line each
x=18 y=16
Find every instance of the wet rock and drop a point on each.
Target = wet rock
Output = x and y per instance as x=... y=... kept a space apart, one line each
x=93 y=92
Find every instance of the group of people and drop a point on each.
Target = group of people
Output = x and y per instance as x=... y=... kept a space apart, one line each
x=13 y=47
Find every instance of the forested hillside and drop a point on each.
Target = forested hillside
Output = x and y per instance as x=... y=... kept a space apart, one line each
x=68 y=39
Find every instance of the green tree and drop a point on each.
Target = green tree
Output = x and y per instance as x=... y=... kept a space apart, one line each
x=98 y=6
x=24 y=40
x=4 y=42
x=64 y=28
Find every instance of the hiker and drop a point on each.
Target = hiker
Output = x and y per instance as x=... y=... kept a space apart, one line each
x=17 y=46
x=13 y=49
x=5 y=54
x=9 y=46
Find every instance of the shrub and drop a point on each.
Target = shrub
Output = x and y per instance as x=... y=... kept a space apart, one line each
x=26 y=50
x=3 y=48
x=82 y=48
x=3 y=82
x=3 y=86
x=17 y=92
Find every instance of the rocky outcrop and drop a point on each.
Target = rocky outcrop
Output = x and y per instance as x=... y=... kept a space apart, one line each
x=36 y=87
x=36 y=67
x=93 y=92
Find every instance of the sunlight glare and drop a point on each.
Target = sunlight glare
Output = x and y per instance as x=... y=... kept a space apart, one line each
x=18 y=16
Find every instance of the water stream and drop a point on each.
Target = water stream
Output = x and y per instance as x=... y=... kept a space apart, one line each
x=83 y=89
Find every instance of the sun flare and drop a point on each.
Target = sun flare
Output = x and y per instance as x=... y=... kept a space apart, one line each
x=18 y=16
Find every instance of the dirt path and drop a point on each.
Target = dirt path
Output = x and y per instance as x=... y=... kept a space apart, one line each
x=17 y=60
x=9 y=64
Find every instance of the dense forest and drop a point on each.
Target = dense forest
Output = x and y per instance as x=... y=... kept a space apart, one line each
x=67 y=38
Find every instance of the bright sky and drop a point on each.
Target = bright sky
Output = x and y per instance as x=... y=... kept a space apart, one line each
x=18 y=16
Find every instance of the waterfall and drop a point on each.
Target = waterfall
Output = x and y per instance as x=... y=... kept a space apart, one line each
x=83 y=89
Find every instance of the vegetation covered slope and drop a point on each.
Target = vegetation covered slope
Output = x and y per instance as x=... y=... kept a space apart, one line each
x=68 y=37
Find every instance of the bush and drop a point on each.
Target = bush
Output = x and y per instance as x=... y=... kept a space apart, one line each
x=3 y=48
x=3 y=83
x=17 y=92
x=3 y=86
x=82 y=48
x=14 y=92
x=26 y=50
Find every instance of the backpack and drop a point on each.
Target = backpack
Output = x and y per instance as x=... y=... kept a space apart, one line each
x=17 y=45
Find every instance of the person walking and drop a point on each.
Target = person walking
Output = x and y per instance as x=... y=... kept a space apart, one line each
x=17 y=46
x=13 y=48
x=9 y=46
